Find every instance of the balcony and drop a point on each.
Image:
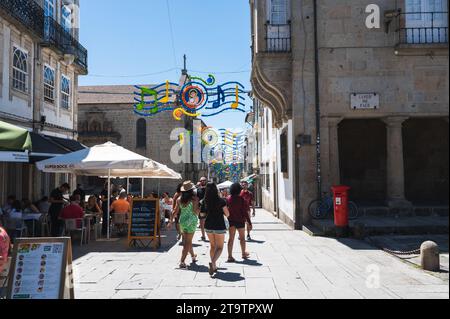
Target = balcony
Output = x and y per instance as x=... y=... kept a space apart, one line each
x=51 y=34
x=26 y=12
x=57 y=37
x=278 y=38
x=423 y=27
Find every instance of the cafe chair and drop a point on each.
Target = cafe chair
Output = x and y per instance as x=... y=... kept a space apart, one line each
x=45 y=225
x=75 y=225
x=97 y=228
x=21 y=228
x=120 y=223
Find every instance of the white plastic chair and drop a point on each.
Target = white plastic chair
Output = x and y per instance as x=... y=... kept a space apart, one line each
x=21 y=228
x=120 y=222
x=78 y=225
x=45 y=225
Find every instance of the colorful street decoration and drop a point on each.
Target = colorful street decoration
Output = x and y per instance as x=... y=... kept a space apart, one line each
x=198 y=97
x=231 y=172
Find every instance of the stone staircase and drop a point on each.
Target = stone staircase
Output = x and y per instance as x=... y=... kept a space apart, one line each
x=381 y=220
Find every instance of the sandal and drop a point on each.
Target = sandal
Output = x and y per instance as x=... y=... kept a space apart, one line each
x=231 y=260
x=211 y=269
x=183 y=266
x=246 y=256
x=194 y=259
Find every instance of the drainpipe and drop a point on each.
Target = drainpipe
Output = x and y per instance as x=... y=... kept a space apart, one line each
x=317 y=102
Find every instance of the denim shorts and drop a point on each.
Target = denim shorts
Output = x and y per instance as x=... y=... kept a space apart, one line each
x=216 y=232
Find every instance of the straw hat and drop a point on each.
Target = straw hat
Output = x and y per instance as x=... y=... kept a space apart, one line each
x=187 y=186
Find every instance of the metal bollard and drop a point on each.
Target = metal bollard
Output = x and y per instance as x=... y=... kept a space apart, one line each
x=430 y=256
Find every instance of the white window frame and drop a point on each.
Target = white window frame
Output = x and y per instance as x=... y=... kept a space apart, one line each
x=416 y=24
x=17 y=71
x=66 y=22
x=280 y=20
x=49 y=7
x=66 y=104
x=48 y=87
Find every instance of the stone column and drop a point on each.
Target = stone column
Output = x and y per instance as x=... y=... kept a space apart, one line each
x=335 y=167
x=395 y=163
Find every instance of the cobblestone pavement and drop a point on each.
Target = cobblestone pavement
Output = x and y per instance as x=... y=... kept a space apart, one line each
x=284 y=264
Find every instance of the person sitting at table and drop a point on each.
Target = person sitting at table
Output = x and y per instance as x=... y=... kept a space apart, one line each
x=93 y=208
x=8 y=206
x=79 y=191
x=29 y=208
x=121 y=205
x=73 y=210
x=14 y=220
x=43 y=205
x=130 y=198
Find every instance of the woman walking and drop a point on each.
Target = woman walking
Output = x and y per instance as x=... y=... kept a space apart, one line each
x=238 y=218
x=176 y=196
x=215 y=224
x=187 y=210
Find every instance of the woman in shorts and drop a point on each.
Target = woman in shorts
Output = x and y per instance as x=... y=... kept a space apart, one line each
x=215 y=224
x=238 y=218
x=187 y=210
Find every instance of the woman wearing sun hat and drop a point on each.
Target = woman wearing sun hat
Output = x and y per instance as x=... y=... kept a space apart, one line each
x=187 y=208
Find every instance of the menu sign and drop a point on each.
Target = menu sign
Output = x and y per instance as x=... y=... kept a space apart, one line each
x=38 y=269
x=144 y=219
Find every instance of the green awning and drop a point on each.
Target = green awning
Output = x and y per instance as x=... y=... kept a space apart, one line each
x=14 y=138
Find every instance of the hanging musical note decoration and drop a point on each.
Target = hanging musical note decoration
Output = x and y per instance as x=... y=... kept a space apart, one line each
x=196 y=98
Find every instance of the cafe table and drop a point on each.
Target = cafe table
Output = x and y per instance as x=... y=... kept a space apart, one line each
x=87 y=221
x=88 y=217
x=33 y=218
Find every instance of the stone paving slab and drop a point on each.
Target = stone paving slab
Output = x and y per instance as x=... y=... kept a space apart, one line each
x=284 y=264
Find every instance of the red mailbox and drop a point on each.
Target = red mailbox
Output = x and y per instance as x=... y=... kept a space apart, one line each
x=340 y=195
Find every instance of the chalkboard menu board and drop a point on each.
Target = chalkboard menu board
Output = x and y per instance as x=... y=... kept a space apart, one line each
x=41 y=269
x=144 y=221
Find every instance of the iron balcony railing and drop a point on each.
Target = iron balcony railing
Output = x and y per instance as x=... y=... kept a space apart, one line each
x=32 y=16
x=278 y=38
x=59 y=38
x=26 y=12
x=423 y=27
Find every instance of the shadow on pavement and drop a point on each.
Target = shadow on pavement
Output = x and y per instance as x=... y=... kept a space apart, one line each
x=249 y=262
x=229 y=276
x=120 y=245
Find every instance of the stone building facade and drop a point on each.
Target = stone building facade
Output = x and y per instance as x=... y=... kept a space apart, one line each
x=106 y=114
x=40 y=61
x=365 y=107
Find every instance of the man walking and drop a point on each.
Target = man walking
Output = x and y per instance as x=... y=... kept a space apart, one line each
x=201 y=190
x=250 y=200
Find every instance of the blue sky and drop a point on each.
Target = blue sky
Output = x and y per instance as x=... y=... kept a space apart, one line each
x=127 y=39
